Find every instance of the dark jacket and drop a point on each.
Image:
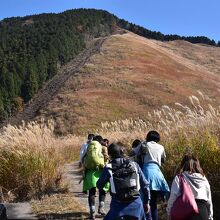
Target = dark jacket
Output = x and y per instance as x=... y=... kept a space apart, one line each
x=134 y=208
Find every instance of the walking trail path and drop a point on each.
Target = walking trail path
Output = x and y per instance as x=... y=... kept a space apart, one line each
x=73 y=177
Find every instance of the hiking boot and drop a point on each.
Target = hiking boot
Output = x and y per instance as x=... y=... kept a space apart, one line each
x=92 y=215
x=101 y=211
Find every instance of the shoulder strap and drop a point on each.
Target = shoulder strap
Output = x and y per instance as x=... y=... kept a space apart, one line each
x=109 y=167
x=181 y=179
x=145 y=144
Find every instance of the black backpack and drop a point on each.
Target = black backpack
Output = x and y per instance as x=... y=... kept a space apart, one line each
x=144 y=148
x=126 y=181
x=141 y=154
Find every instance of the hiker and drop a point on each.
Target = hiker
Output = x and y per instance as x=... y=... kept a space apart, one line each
x=105 y=144
x=123 y=148
x=152 y=155
x=135 y=143
x=195 y=178
x=126 y=179
x=94 y=163
x=84 y=148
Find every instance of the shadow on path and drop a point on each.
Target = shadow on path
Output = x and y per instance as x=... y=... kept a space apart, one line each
x=68 y=216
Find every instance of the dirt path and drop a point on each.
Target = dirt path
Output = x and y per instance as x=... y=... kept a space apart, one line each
x=73 y=176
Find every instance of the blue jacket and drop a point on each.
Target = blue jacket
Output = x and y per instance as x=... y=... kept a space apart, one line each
x=134 y=208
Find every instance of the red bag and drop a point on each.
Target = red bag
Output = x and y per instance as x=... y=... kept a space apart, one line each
x=185 y=205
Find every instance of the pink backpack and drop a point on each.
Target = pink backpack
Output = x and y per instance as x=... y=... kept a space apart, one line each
x=185 y=205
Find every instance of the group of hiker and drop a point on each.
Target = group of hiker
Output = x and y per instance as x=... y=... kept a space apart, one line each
x=136 y=182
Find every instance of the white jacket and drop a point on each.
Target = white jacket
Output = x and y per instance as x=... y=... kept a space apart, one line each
x=200 y=188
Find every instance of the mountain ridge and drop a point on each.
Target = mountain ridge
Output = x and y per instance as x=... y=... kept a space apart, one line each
x=128 y=78
x=39 y=46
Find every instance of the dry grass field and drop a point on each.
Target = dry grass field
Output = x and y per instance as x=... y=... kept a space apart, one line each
x=130 y=77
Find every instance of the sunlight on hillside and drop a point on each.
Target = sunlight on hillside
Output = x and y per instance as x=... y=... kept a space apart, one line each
x=139 y=75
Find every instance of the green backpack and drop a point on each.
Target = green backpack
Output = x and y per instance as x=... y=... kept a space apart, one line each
x=94 y=158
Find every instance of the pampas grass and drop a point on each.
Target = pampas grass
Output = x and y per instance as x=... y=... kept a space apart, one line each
x=193 y=128
x=31 y=159
x=32 y=156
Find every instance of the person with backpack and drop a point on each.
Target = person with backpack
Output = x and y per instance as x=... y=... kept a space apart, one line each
x=83 y=149
x=152 y=155
x=126 y=179
x=94 y=163
x=194 y=176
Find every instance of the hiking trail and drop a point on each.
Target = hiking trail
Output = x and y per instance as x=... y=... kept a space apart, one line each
x=73 y=177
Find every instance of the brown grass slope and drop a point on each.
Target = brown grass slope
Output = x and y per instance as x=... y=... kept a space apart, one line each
x=131 y=76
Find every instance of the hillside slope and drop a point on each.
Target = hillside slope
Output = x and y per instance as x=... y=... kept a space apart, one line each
x=34 y=48
x=51 y=88
x=130 y=77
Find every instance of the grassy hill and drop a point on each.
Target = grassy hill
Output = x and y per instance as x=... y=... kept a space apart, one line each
x=132 y=76
x=34 y=48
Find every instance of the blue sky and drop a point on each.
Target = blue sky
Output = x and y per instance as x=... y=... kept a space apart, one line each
x=182 y=17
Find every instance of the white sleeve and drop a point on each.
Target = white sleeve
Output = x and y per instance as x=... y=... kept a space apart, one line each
x=209 y=202
x=163 y=154
x=174 y=193
x=83 y=152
